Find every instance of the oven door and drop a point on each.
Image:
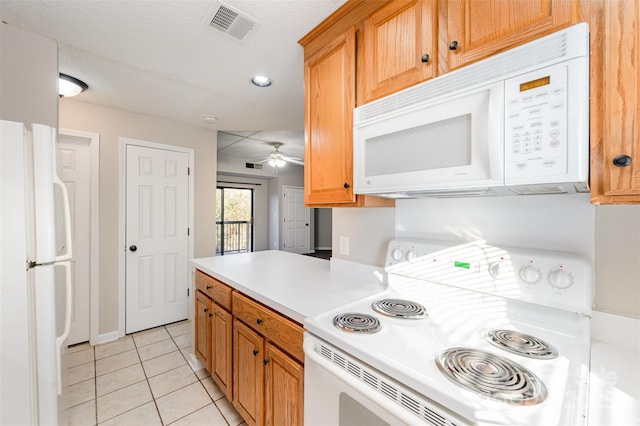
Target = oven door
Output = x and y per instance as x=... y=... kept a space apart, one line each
x=340 y=390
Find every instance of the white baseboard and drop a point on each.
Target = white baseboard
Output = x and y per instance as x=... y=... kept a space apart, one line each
x=108 y=337
x=195 y=363
x=322 y=248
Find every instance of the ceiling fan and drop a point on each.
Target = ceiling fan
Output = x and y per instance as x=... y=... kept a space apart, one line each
x=278 y=159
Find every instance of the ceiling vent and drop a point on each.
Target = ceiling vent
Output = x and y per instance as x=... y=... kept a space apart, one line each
x=231 y=21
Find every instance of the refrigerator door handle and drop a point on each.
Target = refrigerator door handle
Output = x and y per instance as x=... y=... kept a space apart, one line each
x=67 y=321
x=67 y=215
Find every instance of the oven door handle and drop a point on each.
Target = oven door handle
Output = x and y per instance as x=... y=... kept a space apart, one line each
x=367 y=391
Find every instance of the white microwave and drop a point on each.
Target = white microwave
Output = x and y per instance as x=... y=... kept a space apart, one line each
x=515 y=123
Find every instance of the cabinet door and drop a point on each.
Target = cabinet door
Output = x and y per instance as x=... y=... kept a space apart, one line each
x=482 y=28
x=621 y=94
x=248 y=372
x=222 y=349
x=329 y=77
x=399 y=47
x=203 y=329
x=284 y=391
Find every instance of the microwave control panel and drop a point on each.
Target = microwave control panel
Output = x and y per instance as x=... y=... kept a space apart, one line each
x=536 y=123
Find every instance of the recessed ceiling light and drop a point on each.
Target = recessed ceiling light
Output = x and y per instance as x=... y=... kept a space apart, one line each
x=261 y=81
x=70 y=86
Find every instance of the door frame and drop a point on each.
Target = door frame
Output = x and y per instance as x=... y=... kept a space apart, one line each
x=94 y=255
x=122 y=243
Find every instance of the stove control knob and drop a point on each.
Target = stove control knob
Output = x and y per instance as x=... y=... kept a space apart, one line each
x=560 y=279
x=412 y=256
x=494 y=269
x=530 y=274
x=397 y=254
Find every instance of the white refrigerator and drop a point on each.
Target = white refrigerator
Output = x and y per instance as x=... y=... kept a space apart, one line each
x=35 y=303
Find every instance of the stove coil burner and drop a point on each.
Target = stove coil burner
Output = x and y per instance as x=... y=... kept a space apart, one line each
x=400 y=308
x=357 y=323
x=492 y=376
x=521 y=344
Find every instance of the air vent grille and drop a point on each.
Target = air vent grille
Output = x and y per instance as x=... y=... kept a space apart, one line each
x=410 y=402
x=231 y=21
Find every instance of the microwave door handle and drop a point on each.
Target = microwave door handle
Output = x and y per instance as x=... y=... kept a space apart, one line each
x=495 y=131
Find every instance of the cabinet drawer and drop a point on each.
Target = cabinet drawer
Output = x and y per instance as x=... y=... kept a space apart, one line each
x=216 y=290
x=280 y=330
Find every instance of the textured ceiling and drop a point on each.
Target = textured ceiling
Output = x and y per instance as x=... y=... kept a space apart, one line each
x=162 y=58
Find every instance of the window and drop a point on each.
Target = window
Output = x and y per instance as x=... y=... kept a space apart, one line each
x=234 y=220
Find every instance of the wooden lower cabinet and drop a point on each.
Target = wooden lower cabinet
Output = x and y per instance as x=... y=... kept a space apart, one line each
x=284 y=389
x=254 y=354
x=202 y=341
x=248 y=373
x=222 y=349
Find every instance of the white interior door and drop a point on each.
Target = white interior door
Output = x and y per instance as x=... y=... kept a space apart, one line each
x=74 y=168
x=157 y=227
x=296 y=222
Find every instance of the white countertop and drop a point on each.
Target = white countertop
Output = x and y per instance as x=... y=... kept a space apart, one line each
x=295 y=285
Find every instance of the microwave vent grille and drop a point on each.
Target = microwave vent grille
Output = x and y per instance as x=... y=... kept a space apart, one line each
x=554 y=48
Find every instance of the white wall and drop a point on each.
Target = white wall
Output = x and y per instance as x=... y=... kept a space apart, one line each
x=28 y=77
x=607 y=235
x=618 y=260
x=111 y=124
x=369 y=231
x=323 y=229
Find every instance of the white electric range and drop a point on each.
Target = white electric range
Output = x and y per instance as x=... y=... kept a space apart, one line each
x=476 y=334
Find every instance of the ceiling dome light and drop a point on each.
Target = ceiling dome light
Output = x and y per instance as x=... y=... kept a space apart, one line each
x=70 y=86
x=261 y=81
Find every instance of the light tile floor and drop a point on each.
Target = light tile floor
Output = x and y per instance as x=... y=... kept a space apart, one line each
x=144 y=379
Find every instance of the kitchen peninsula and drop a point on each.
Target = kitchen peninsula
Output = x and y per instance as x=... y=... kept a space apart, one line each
x=249 y=310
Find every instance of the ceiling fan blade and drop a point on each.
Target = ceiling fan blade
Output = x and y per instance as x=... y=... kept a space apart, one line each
x=294 y=161
x=262 y=161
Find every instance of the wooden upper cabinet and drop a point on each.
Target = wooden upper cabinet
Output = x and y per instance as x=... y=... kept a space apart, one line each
x=399 y=48
x=478 y=29
x=330 y=76
x=620 y=83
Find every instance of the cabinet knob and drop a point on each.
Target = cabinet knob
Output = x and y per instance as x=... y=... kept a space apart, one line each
x=453 y=45
x=425 y=58
x=206 y=309
x=622 y=161
x=210 y=315
x=209 y=287
x=259 y=321
x=346 y=185
x=255 y=352
x=265 y=362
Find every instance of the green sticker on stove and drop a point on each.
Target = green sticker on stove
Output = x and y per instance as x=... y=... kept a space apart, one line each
x=464 y=265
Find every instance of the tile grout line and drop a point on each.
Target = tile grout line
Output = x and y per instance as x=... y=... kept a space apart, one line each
x=146 y=378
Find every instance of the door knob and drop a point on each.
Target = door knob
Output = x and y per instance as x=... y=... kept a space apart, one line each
x=133 y=248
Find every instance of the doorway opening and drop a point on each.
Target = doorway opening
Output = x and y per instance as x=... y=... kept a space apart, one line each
x=234 y=220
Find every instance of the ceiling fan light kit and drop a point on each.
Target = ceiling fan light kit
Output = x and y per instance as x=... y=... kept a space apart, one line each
x=278 y=160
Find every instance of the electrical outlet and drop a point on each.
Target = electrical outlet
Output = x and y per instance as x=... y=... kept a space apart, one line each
x=344 y=245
